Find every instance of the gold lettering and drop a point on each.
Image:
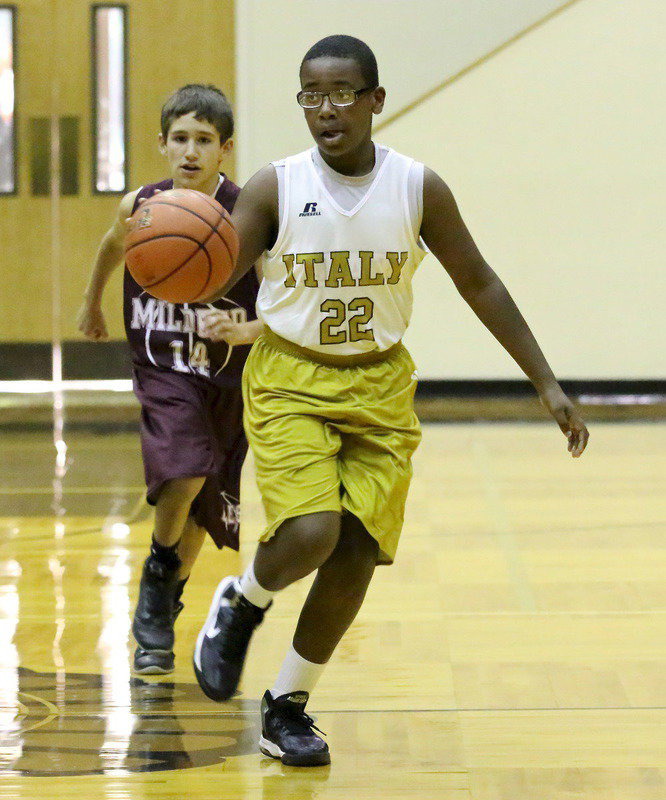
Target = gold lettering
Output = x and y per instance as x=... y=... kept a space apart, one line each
x=366 y=270
x=339 y=273
x=335 y=320
x=289 y=281
x=309 y=260
x=397 y=262
x=366 y=307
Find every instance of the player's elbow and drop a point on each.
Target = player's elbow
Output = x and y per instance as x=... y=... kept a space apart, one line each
x=476 y=281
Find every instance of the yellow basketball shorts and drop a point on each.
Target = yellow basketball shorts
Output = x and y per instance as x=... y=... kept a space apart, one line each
x=331 y=438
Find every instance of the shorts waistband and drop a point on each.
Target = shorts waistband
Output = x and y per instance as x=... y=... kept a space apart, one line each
x=328 y=359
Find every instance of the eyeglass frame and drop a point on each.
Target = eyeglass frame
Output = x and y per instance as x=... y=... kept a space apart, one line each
x=357 y=94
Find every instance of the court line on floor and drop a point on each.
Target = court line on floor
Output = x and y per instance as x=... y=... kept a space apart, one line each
x=286 y=617
x=449 y=710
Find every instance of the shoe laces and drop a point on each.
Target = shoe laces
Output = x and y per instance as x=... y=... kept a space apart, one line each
x=299 y=719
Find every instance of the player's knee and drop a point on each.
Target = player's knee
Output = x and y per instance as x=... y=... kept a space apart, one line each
x=181 y=490
x=353 y=562
x=318 y=532
x=323 y=531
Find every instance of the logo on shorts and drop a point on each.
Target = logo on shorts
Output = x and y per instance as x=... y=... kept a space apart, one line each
x=310 y=210
x=230 y=511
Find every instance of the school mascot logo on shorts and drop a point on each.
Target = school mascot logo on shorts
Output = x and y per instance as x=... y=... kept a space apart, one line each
x=230 y=511
x=86 y=724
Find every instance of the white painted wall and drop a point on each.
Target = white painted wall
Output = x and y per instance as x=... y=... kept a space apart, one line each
x=417 y=43
x=554 y=149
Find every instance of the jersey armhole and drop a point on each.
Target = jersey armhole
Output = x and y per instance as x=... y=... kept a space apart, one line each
x=282 y=175
x=414 y=216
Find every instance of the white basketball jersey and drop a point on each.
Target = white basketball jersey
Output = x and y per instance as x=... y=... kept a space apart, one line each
x=340 y=281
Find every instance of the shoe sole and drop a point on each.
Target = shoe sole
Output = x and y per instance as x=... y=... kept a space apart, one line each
x=269 y=748
x=206 y=688
x=155 y=668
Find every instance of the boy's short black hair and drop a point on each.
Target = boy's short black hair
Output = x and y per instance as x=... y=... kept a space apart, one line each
x=206 y=101
x=341 y=46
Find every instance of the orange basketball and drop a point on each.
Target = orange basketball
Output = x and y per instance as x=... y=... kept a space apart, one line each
x=181 y=246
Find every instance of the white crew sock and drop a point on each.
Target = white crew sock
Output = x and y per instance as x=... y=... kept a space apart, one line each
x=296 y=675
x=252 y=590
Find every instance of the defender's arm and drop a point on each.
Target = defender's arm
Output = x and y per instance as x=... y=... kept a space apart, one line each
x=90 y=317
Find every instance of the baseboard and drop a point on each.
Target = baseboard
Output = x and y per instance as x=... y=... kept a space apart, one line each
x=510 y=388
x=83 y=360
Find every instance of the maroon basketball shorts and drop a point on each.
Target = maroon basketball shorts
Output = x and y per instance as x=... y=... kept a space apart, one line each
x=191 y=428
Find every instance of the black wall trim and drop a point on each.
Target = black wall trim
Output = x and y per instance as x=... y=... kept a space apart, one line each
x=523 y=388
x=83 y=360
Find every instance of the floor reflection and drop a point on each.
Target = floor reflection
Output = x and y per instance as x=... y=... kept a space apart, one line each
x=278 y=781
x=69 y=729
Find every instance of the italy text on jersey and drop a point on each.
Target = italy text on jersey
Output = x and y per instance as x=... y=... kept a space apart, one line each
x=337 y=271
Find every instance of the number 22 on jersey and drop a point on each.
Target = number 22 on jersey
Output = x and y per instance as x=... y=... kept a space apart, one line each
x=339 y=313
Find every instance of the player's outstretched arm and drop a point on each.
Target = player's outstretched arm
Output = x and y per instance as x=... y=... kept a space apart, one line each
x=255 y=217
x=446 y=235
x=110 y=253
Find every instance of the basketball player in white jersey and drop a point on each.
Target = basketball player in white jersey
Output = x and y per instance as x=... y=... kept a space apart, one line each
x=328 y=387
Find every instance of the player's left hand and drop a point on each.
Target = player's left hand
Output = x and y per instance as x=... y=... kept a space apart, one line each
x=218 y=326
x=567 y=417
x=128 y=220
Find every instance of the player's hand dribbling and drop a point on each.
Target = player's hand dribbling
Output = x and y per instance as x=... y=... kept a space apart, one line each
x=91 y=322
x=567 y=417
x=218 y=326
x=140 y=200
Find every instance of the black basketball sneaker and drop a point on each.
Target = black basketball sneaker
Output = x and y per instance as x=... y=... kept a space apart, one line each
x=154 y=618
x=288 y=733
x=222 y=643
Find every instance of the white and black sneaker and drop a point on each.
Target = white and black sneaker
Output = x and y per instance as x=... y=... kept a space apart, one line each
x=222 y=643
x=288 y=733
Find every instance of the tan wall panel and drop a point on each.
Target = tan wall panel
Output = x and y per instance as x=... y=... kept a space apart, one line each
x=25 y=298
x=193 y=42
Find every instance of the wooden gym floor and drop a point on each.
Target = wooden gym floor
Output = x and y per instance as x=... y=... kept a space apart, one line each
x=516 y=650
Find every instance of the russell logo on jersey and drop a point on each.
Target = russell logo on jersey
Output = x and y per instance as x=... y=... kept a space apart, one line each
x=310 y=210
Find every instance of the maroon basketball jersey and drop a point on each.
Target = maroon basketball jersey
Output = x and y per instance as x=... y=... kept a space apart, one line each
x=167 y=335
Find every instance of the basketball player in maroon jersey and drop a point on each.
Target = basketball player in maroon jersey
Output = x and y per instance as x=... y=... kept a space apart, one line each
x=188 y=360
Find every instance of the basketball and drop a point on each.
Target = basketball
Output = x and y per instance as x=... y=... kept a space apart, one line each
x=181 y=246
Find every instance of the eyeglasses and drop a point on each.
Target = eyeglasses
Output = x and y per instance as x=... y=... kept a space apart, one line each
x=338 y=97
